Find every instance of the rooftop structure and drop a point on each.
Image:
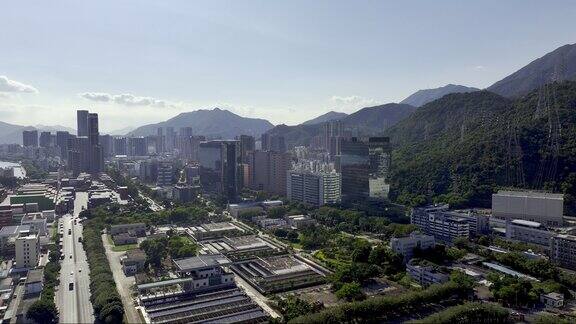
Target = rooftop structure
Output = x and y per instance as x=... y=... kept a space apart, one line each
x=508 y=271
x=214 y=230
x=278 y=273
x=240 y=247
x=201 y=262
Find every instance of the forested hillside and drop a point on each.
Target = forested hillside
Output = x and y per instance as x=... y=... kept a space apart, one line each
x=463 y=147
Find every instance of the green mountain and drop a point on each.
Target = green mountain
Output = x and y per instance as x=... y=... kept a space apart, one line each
x=366 y=121
x=422 y=97
x=462 y=147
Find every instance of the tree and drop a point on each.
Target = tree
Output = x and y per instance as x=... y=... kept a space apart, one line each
x=350 y=291
x=277 y=212
x=42 y=311
x=155 y=250
x=361 y=252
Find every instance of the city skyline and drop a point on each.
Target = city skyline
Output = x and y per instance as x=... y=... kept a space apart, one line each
x=273 y=61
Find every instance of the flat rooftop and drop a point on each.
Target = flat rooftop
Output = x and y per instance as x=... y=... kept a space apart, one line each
x=201 y=262
x=530 y=194
x=34 y=276
x=223 y=226
x=526 y=223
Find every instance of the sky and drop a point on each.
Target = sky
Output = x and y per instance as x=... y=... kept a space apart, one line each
x=138 y=62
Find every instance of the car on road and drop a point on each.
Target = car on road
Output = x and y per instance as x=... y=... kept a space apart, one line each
x=80 y=239
x=69 y=231
x=71 y=286
x=70 y=256
x=71 y=273
x=79 y=269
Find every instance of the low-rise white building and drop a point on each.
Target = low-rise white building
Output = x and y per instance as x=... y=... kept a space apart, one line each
x=406 y=245
x=426 y=273
x=528 y=232
x=552 y=300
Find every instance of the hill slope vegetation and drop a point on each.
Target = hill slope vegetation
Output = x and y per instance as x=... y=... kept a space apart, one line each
x=462 y=147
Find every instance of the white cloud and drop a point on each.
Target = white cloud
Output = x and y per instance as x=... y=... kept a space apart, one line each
x=479 y=68
x=351 y=103
x=96 y=96
x=7 y=85
x=127 y=99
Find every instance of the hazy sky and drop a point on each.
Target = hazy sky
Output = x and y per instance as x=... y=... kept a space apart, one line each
x=136 y=62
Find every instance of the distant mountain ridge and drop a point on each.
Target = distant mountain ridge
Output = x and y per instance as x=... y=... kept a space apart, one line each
x=329 y=116
x=366 y=121
x=558 y=65
x=215 y=123
x=12 y=134
x=422 y=97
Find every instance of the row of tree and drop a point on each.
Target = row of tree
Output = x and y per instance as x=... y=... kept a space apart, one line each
x=390 y=308
x=468 y=313
x=107 y=303
x=44 y=309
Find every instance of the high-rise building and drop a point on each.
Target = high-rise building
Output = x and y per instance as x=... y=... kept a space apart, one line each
x=120 y=146
x=160 y=141
x=84 y=152
x=268 y=171
x=165 y=172
x=277 y=144
x=313 y=188
x=45 y=139
x=247 y=144
x=219 y=167
x=30 y=138
x=78 y=154
x=137 y=146
x=170 y=144
x=96 y=154
x=106 y=143
x=265 y=142
x=332 y=133
x=82 y=122
x=62 y=142
x=364 y=165
x=186 y=132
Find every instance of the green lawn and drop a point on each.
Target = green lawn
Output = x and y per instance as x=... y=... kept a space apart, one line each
x=125 y=247
x=121 y=248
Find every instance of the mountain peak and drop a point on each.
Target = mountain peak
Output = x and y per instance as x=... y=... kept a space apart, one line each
x=213 y=123
x=424 y=96
x=558 y=65
x=329 y=116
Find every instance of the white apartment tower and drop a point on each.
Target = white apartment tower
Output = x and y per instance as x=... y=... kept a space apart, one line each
x=316 y=189
x=27 y=248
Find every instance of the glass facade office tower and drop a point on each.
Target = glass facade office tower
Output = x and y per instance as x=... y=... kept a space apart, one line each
x=364 y=166
x=219 y=167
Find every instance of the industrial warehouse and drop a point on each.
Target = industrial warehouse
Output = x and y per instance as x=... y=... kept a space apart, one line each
x=278 y=273
x=204 y=291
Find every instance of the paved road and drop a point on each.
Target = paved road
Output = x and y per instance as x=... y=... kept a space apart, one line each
x=256 y=296
x=123 y=284
x=74 y=305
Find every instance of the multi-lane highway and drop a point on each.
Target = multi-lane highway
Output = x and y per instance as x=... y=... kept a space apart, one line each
x=73 y=297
